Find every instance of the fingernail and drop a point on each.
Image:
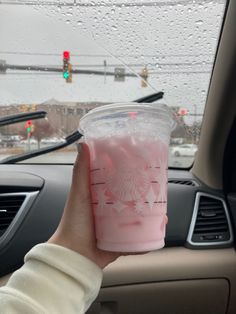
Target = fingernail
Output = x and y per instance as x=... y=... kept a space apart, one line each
x=79 y=147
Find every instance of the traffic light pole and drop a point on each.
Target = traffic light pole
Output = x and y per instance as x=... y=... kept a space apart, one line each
x=36 y=68
x=28 y=140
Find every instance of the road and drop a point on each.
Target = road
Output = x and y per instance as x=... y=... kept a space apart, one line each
x=69 y=158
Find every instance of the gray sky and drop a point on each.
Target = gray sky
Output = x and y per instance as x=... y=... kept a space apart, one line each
x=176 y=42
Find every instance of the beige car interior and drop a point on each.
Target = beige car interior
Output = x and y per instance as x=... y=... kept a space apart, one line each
x=180 y=280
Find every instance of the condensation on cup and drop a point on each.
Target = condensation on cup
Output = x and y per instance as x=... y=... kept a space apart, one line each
x=128 y=145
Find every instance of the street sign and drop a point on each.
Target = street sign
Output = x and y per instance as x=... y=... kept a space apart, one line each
x=3 y=67
x=119 y=75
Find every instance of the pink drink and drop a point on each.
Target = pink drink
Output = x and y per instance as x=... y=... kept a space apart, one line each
x=129 y=193
x=128 y=160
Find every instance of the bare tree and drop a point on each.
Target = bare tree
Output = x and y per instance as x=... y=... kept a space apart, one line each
x=42 y=129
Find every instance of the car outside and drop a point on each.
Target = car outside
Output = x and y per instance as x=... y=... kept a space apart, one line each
x=31 y=141
x=184 y=150
x=7 y=141
x=52 y=141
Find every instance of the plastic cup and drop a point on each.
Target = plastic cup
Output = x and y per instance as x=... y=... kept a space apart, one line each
x=128 y=145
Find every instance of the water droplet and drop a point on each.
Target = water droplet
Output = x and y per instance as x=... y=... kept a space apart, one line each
x=199 y=22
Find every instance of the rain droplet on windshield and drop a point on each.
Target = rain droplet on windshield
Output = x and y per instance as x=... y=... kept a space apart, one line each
x=199 y=22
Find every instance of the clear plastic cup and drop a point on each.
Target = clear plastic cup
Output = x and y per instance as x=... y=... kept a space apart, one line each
x=128 y=145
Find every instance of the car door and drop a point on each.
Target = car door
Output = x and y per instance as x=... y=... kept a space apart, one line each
x=185 y=150
x=189 y=150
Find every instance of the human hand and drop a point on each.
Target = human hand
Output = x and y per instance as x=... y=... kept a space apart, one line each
x=76 y=229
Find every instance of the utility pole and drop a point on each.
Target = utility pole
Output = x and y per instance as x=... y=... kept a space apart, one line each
x=105 y=71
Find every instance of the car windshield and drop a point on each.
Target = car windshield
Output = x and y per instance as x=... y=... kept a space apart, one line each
x=67 y=57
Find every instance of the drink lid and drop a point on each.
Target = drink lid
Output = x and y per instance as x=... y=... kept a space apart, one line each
x=131 y=110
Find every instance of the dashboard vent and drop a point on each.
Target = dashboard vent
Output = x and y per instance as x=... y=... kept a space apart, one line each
x=183 y=182
x=210 y=223
x=9 y=207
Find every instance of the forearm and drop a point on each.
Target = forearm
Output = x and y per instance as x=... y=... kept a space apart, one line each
x=52 y=280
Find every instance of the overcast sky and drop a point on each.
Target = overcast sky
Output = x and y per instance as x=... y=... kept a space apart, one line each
x=176 y=40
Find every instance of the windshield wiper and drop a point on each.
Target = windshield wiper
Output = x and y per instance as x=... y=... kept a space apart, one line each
x=150 y=98
x=72 y=138
x=21 y=117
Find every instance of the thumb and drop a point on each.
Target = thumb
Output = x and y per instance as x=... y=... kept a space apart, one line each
x=81 y=172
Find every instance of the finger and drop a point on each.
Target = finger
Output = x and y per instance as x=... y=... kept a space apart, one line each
x=81 y=172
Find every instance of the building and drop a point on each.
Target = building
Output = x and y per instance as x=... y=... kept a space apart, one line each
x=62 y=116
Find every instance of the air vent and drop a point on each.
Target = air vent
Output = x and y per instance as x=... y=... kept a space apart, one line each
x=13 y=209
x=9 y=207
x=183 y=182
x=210 y=223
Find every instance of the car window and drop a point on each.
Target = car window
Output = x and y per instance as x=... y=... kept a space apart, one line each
x=68 y=57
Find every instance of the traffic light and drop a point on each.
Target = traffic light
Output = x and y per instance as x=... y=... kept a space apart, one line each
x=3 y=67
x=67 y=67
x=28 y=126
x=183 y=112
x=144 y=76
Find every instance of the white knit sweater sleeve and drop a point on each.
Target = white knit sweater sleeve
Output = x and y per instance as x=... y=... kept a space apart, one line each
x=53 y=280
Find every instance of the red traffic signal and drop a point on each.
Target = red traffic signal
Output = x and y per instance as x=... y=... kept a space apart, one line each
x=183 y=112
x=28 y=124
x=66 y=55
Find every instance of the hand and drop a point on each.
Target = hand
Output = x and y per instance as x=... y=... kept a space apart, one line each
x=76 y=228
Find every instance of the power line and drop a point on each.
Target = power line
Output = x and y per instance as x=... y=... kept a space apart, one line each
x=100 y=73
x=181 y=72
x=118 y=65
x=141 y=65
x=104 y=4
x=104 y=55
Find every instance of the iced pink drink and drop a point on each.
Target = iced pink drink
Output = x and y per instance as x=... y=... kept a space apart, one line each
x=129 y=192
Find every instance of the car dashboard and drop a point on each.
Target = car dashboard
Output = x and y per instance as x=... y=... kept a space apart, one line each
x=200 y=228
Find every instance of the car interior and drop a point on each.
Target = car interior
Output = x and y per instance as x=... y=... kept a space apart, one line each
x=196 y=270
